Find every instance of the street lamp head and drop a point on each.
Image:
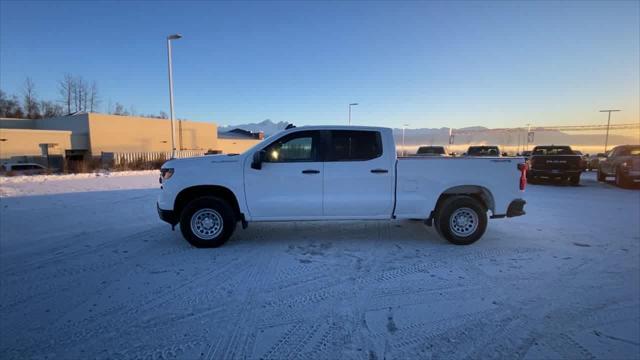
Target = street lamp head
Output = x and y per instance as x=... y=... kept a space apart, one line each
x=608 y=110
x=174 y=37
x=353 y=104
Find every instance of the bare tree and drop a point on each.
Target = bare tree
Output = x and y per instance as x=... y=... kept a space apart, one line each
x=66 y=90
x=94 y=101
x=120 y=109
x=85 y=95
x=49 y=109
x=30 y=102
x=10 y=107
x=80 y=94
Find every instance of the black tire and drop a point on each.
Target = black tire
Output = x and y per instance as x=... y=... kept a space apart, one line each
x=574 y=180
x=601 y=176
x=210 y=208
x=473 y=209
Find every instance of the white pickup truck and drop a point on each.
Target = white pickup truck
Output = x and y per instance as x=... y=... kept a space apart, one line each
x=337 y=173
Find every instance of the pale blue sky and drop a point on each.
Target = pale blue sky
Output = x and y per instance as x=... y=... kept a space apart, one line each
x=428 y=64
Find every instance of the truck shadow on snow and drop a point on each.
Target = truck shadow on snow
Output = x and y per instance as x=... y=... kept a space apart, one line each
x=129 y=217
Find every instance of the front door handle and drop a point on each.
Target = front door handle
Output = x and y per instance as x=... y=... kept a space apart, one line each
x=379 y=171
x=311 y=171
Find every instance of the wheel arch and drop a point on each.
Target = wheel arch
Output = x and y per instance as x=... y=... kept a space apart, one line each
x=480 y=193
x=190 y=193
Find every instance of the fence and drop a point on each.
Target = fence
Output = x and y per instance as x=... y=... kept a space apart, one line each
x=125 y=158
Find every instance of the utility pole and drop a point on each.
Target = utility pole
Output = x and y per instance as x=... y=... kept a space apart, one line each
x=404 y=151
x=173 y=125
x=350 y=105
x=606 y=139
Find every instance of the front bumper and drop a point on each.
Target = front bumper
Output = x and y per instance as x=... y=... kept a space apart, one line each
x=168 y=216
x=553 y=173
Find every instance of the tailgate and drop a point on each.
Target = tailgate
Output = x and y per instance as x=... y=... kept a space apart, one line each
x=555 y=162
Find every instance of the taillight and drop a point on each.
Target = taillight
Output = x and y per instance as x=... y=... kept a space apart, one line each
x=523 y=175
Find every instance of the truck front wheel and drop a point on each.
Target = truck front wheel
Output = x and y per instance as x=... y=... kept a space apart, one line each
x=621 y=180
x=574 y=180
x=462 y=220
x=207 y=222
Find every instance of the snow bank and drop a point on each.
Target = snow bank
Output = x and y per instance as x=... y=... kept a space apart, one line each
x=42 y=178
x=59 y=184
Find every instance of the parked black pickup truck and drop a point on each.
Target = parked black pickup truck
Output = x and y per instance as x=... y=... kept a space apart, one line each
x=556 y=162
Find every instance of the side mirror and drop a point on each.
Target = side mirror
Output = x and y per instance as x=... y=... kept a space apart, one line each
x=258 y=156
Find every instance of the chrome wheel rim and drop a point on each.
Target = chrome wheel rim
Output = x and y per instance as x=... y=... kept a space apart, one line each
x=463 y=222
x=206 y=224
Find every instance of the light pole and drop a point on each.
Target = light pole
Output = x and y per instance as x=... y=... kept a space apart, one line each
x=404 y=151
x=350 y=105
x=606 y=139
x=173 y=125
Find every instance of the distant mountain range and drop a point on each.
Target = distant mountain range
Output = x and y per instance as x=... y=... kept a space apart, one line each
x=267 y=126
x=477 y=135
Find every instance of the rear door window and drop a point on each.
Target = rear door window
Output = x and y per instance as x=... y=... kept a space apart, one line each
x=354 y=145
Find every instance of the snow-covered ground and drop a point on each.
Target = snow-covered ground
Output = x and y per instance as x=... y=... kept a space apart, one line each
x=89 y=271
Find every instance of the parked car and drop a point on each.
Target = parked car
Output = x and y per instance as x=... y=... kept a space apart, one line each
x=336 y=173
x=623 y=162
x=431 y=151
x=23 y=169
x=593 y=161
x=483 y=151
x=556 y=162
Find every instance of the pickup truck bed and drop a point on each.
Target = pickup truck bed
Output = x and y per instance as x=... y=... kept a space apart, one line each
x=337 y=172
x=422 y=180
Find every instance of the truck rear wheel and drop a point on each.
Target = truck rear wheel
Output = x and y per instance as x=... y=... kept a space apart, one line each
x=462 y=220
x=207 y=222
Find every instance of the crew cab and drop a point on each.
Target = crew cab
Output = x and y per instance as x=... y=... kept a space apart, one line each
x=556 y=162
x=337 y=173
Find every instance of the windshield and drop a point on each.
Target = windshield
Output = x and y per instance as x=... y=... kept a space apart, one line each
x=553 y=150
x=274 y=136
x=483 y=151
x=630 y=151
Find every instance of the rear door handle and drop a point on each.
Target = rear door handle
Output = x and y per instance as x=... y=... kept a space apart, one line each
x=311 y=171
x=379 y=171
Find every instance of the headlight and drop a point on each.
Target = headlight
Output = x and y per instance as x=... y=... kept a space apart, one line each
x=165 y=174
